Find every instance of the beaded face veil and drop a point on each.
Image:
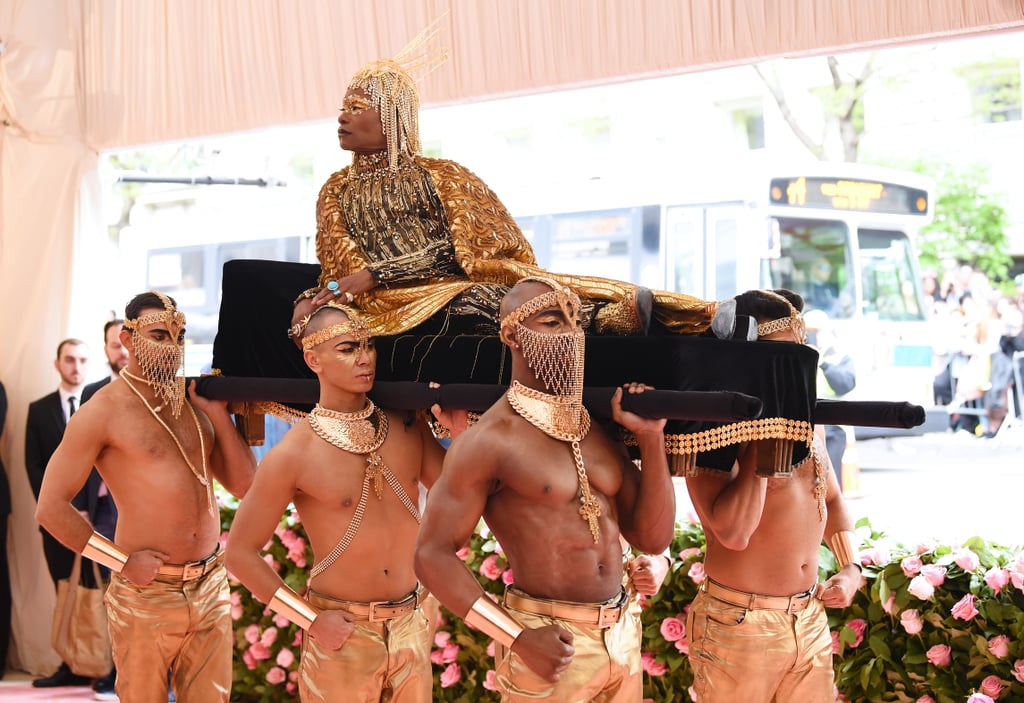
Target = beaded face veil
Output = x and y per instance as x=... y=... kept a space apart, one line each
x=391 y=86
x=556 y=359
x=162 y=363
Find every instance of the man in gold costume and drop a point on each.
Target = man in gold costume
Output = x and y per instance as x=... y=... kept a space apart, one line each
x=403 y=236
x=158 y=452
x=557 y=492
x=354 y=472
x=757 y=629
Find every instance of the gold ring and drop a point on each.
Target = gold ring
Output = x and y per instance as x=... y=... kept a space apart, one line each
x=348 y=296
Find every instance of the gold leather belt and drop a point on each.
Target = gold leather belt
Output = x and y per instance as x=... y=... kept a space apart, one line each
x=595 y=614
x=754 y=601
x=194 y=569
x=374 y=611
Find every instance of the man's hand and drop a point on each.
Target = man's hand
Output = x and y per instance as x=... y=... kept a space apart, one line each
x=839 y=590
x=546 y=650
x=141 y=567
x=332 y=628
x=348 y=288
x=209 y=407
x=632 y=422
x=647 y=573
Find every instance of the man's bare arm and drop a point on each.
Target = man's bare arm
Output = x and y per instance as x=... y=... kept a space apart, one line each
x=838 y=591
x=731 y=508
x=69 y=468
x=646 y=501
x=433 y=456
x=231 y=460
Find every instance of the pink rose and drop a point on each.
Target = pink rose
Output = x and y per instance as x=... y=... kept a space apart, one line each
x=936 y=575
x=924 y=547
x=966 y=559
x=652 y=666
x=508 y=578
x=450 y=653
x=1018 y=670
x=689 y=552
x=926 y=699
x=252 y=634
x=293 y=676
x=911 y=565
x=980 y=698
x=276 y=675
x=837 y=645
x=888 y=605
x=490 y=569
x=939 y=655
x=490 y=649
x=281 y=621
x=291 y=688
x=858 y=626
x=877 y=555
x=463 y=553
x=672 y=629
x=996 y=578
x=236 y=597
x=248 y=660
x=491 y=680
x=964 y=608
x=911 y=621
x=696 y=572
x=236 y=612
x=271 y=563
x=269 y=636
x=451 y=676
x=297 y=642
x=435 y=657
x=999 y=646
x=441 y=638
x=921 y=587
x=991 y=686
x=285 y=658
x=683 y=645
x=260 y=652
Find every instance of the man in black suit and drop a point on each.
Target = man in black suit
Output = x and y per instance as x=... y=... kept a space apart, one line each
x=44 y=430
x=100 y=506
x=5 y=581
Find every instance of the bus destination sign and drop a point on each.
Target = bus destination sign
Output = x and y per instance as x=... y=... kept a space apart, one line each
x=849 y=194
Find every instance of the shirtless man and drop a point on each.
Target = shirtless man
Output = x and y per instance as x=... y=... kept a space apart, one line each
x=353 y=472
x=158 y=454
x=757 y=628
x=557 y=497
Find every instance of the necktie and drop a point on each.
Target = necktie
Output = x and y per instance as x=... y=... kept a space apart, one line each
x=71 y=405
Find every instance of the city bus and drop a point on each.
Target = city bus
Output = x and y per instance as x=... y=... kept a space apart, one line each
x=841 y=235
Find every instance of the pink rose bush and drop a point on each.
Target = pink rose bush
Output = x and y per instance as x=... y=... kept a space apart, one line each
x=956 y=635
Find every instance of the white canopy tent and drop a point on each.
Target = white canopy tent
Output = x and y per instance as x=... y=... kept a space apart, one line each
x=81 y=76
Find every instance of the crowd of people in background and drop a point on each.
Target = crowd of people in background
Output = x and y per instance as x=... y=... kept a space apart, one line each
x=977 y=331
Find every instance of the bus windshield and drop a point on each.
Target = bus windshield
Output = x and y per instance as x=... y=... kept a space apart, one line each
x=887 y=275
x=812 y=258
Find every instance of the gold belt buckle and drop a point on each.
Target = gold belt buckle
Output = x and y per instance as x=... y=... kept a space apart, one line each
x=193 y=570
x=372 y=614
x=611 y=611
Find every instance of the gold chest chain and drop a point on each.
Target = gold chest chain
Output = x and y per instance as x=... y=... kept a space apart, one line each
x=563 y=418
x=356 y=434
x=202 y=477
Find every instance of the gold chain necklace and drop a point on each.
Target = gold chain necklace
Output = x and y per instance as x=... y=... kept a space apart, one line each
x=140 y=379
x=563 y=418
x=203 y=477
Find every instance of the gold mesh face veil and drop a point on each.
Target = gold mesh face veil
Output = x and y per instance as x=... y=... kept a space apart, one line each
x=555 y=359
x=162 y=363
x=355 y=326
x=391 y=87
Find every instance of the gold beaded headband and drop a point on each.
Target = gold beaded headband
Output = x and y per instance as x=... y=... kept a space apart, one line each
x=560 y=297
x=795 y=322
x=355 y=326
x=175 y=319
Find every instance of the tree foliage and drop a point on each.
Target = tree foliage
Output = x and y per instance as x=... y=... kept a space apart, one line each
x=970 y=221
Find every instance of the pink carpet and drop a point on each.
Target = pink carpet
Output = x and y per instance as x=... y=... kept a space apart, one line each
x=15 y=692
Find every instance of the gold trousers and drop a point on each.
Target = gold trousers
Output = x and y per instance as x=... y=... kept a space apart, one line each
x=605 y=667
x=382 y=660
x=760 y=654
x=184 y=626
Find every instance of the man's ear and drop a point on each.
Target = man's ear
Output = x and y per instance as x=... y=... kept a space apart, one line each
x=508 y=336
x=312 y=360
x=126 y=340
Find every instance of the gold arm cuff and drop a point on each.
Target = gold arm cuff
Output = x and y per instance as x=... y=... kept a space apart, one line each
x=493 y=620
x=293 y=606
x=102 y=551
x=843 y=549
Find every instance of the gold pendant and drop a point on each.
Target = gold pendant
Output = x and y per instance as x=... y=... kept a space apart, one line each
x=375 y=469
